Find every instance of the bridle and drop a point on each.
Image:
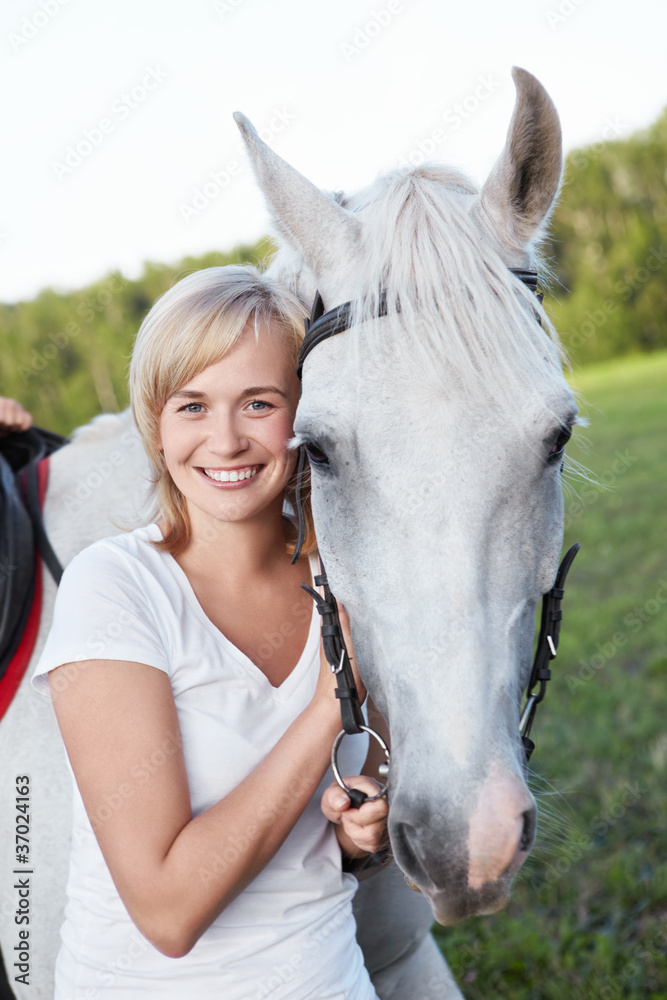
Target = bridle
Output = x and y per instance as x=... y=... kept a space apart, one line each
x=319 y=327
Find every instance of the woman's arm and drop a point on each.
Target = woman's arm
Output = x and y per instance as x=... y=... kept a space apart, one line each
x=176 y=873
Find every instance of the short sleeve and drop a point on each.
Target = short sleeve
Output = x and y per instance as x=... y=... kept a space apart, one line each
x=103 y=611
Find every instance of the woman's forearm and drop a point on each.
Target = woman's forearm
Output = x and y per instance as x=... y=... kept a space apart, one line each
x=219 y=852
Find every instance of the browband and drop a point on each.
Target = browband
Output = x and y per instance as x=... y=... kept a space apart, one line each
x=321 y=325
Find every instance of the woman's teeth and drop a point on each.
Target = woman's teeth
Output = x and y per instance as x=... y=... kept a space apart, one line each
x=234 y=476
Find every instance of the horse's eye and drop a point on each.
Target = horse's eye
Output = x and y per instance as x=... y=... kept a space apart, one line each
x=315 y=454
x=558 y=447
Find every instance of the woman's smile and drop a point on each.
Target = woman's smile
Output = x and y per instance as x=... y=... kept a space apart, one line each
x=233 y=478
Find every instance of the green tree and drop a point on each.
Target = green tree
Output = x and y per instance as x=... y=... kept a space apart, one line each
x=609 y=247
x=65 y=356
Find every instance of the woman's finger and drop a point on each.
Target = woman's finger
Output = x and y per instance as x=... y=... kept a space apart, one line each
x=334 y=803
x=367 y=815
x=371 y=837
x=335 y=800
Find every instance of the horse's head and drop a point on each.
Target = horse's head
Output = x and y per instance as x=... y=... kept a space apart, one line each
x=435 y=440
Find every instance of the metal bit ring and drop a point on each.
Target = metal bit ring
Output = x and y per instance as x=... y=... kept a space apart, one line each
x=334 y=762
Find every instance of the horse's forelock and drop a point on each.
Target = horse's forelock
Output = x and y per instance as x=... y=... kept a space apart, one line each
x=465 y=320
x=462 y=311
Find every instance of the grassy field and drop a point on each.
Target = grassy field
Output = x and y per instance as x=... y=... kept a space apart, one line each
x=587 y=918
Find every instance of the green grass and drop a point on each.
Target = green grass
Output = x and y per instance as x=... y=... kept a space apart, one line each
x=587 y=917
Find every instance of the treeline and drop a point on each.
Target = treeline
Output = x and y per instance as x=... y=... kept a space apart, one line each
x=65 y=356
x=609 y=248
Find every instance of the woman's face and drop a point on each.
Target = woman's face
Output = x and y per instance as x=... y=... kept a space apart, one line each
x=224 y=434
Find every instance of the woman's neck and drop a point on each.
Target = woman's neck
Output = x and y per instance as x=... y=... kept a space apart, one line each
x=249 y=551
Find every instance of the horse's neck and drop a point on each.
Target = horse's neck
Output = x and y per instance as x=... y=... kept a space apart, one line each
x=98 y=485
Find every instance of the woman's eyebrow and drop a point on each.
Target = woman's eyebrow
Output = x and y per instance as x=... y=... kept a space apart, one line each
x=259 y=390
x=188 y=394
x=253 y=390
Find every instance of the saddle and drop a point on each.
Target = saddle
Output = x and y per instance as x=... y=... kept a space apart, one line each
x=22 y=487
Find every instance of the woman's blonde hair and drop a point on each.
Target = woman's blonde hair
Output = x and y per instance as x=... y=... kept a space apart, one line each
x=191 y=327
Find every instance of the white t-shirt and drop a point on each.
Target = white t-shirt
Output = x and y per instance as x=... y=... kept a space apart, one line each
x=291 y=933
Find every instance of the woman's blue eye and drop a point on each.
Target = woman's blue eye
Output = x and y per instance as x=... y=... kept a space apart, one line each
x=261 y=402
x=188 y=408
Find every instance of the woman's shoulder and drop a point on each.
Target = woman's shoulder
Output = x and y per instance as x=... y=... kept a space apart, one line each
x=131 y=550
x=111 y=605
x=137 y=543
x=120 y=575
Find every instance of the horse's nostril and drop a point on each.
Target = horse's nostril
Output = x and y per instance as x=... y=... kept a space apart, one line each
x=406 y=841
x=402 y=840
x=528 y=832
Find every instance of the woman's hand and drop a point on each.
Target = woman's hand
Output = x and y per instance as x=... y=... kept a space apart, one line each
x=359 y=831
x=12 y=416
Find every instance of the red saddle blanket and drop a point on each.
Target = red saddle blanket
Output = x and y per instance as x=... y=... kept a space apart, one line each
x=18 y=664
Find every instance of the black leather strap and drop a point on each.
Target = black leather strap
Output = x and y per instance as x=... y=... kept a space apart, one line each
x=547 y=645
x=529 y=278
x=323 y=325
x=41 y=538
x=334 y=649
x=20 y=448
x=368 y=863
x=17 y=565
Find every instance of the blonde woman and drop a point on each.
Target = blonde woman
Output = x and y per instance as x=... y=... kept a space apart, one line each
x=195 y=704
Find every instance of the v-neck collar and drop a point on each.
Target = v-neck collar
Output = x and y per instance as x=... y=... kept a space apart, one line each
x=295 y=676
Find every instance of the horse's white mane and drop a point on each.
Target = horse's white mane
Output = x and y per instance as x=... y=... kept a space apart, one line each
x=465 y=320
x=463 y=313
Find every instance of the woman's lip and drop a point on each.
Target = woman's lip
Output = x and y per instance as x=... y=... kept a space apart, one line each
x=229 y=468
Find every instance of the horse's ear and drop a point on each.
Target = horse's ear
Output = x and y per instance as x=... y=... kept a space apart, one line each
x=522 y=186
x=319 y=228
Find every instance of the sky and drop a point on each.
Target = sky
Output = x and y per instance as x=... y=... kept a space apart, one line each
x=119 y=142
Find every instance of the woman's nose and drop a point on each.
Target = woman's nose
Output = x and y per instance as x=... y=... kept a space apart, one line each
x=226 y=437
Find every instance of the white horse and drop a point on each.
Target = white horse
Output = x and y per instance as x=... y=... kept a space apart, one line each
x=435 y=427
x=436 y=432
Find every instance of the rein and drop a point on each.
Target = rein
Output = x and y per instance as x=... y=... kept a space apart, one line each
x=320 y=327
x=352 y=717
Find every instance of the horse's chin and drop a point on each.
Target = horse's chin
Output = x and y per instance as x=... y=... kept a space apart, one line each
x=449 y=908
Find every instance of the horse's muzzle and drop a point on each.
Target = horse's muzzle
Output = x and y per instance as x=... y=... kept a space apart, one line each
x=464 y=864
